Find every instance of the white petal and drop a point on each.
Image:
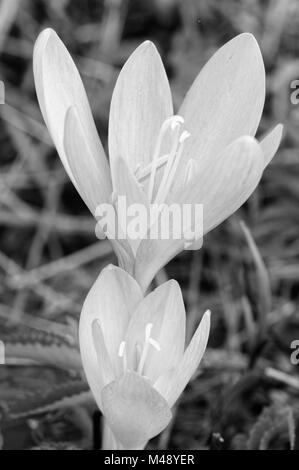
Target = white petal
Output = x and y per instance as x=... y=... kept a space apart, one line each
x=221 y=188
x=225 y=101
x=173 y=384
x=59 y=86
x=270 y=143
x=140 y=103
x=134 y=410
x=164 y=309
x=104 y=363
x=91 y=174
x=110 y=301
x=126 y=185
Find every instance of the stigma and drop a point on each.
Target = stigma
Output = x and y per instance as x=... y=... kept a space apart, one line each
x=171 y=129
x=142 y=351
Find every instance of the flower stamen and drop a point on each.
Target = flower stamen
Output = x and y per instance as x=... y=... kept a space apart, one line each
x=171 y=168
x=174 y=123
x=142 y=173
x=123 y=354
x=141 y=352
x=148 y=341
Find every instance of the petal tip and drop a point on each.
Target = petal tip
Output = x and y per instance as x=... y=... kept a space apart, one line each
x=40 y=44
x=270 y=143
x=46 y=33
x=146 y=48
x=173 y=283
x=247 y=42
x=280 y=129
x=48 y=39
x=43 y=39
x=207 y=315
x=247 y=37
x=205 y=324
x=148 y=45
x=111 y=267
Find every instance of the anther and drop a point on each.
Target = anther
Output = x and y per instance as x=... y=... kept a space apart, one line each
x=184 y=135
x=177 y=121
x=122 y=354
x=148 y=330
x=171 y=168
x=121 y=349
x=174 y=123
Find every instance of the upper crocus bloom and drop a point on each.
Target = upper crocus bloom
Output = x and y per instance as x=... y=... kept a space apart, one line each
x=133 y=354
x=206 y=154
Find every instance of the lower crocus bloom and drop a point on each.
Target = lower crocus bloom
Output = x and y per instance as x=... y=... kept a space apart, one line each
x=134 y=356
x=206 y=154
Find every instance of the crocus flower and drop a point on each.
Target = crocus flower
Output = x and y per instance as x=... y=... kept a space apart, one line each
x=206 y=154
x=134 y=357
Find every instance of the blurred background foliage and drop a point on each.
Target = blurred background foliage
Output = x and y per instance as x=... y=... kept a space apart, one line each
x=246 y=394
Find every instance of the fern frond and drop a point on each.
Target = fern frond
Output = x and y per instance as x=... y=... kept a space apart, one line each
x=42 y=348
x=69 y=394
